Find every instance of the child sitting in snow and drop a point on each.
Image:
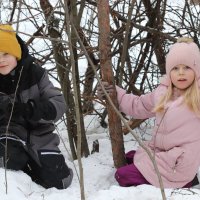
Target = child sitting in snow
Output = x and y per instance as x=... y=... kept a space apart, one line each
x=29 y=104
x=175 y=104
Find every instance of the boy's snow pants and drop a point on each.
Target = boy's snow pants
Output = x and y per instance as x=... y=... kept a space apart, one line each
x=53 y=171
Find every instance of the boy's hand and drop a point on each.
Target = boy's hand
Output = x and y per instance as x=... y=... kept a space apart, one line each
x=109 y=89
x=21 y=109
x=4 y=101
x=34 y=110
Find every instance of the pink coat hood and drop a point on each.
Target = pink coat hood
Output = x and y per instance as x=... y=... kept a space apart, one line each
x=175 y=140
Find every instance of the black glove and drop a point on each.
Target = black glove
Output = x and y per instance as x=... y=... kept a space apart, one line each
x=21 y=109
x=43 y=109
x=34 y=110
x=4 y=102
x=109 y=89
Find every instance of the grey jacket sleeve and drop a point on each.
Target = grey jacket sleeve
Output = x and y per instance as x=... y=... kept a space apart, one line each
x=49 y=92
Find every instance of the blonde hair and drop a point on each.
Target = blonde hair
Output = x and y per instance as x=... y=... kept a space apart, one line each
x=184 y=40
x=191 y=96
x=164 y=99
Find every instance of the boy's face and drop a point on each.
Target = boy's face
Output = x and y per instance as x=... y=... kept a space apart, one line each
x=7 y=63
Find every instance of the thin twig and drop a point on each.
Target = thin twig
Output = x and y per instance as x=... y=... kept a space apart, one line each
x=7 y=127
x=68 y=22
x=10 y=117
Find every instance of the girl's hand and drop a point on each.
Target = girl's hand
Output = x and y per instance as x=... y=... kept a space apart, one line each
x=109 y=89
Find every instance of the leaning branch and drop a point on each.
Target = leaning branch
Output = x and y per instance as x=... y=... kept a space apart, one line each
x=121 y=117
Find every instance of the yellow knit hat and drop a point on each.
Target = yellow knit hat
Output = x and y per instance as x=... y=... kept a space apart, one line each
x=8 y=41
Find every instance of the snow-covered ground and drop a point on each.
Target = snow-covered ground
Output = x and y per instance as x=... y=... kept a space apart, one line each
x=98 y=176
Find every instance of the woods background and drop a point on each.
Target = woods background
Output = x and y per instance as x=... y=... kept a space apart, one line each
x=141 y=32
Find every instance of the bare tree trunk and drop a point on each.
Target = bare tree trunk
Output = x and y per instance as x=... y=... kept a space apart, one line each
x=115 y=128
x=87 y=103
x=72 y=42
x=195 y=2
x=89 y=77
x=155 y=20
x=88 y=91
x=125 y=43
x=73 y=19
x=63 y=73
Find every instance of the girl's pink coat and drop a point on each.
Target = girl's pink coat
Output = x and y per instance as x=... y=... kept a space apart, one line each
x=175 y=140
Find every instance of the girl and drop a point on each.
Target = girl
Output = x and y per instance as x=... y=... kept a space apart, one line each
x=176 y=106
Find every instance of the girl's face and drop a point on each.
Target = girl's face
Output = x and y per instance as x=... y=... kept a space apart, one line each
x=182 y=76
x=7 y=63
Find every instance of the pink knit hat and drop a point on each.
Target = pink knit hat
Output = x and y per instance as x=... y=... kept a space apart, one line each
x=183 y=53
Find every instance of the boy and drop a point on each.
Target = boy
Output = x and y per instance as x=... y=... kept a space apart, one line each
x=29 y=104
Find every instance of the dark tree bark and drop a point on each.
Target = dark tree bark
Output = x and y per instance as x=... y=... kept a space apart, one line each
x=195 y=2
x=87 y=104
x=74 y=20
x=63 y=68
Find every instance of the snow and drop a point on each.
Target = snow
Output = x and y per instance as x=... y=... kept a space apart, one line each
x=98 y=169
x=98 y=176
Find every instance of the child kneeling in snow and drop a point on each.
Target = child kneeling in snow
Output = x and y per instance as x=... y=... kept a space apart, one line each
x=29 y=104
x=175 y=104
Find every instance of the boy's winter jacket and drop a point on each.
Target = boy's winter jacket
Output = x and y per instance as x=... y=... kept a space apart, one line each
x=175 y=140
x=35 y=86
